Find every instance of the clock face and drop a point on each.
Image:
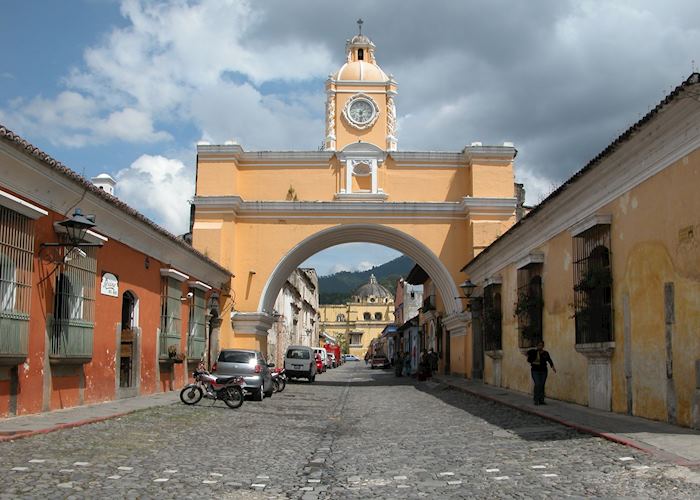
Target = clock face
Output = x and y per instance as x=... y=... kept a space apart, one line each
x=361 y=111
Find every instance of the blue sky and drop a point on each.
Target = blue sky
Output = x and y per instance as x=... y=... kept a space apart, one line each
x=129 y=87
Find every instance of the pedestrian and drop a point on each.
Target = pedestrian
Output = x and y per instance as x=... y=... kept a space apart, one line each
x=407 y=364
x=433 y=358
x=538 y=359
x=424 y=366
x=398 y=364
x=367 y=358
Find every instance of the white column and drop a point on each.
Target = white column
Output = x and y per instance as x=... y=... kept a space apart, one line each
x=348 y=176
x=374 y=177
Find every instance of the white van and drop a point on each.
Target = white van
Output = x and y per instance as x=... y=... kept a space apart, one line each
x=324 y=356
x=300 y=362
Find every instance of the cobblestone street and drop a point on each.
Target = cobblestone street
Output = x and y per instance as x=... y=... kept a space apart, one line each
x=355 y=433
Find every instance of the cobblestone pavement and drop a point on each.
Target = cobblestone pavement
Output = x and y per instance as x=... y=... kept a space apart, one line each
x=355 y=433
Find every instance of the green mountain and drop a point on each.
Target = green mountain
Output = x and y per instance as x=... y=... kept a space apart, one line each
x=337 y=288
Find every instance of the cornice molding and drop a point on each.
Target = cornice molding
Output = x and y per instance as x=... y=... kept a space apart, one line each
x=589 y=222
x=251 y=323
x=531 y=258
x=495 y=207
x=174 y=274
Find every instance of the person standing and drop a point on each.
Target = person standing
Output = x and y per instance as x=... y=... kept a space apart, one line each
x=538 y=359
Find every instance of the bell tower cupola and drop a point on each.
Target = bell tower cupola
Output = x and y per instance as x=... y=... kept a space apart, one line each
x=360 y=99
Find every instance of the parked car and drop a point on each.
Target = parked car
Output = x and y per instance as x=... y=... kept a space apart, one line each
x=379 y=361
x=250 y=365
x=330 y=360
x=350 y=357
x=300 y=362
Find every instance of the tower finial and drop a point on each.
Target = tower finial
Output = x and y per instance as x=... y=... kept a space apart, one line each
x=360 y=22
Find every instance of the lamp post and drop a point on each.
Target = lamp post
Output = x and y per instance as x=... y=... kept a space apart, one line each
x=468 y=288
x=76 y=227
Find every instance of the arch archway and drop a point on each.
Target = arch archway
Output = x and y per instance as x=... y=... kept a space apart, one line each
x=363 y=233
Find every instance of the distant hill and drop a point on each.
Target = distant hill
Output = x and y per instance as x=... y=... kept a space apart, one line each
x=337 y=288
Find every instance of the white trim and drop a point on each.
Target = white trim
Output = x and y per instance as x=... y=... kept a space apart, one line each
x=361 y=196
x=672 y=136
x=90 y=236
x=589 y=222
x=496 y=279
x=531 y=258
x=174 y=274
x=20 y=206
x=199 y=285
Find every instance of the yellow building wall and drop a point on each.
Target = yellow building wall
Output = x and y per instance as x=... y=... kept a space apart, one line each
x=650 y=246
x=354 y=314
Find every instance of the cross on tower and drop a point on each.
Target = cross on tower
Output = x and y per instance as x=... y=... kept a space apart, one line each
x=360 y=22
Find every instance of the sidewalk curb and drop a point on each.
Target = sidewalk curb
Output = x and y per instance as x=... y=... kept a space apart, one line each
x=615 y=438
x=68 y=425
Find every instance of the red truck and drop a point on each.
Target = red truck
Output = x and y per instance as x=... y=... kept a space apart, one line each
x=335 y=350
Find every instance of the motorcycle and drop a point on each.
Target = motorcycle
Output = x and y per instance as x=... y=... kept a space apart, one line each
x=227 y=389
x=279 y=379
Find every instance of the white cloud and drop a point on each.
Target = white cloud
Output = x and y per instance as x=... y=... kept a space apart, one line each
x=338 y=268
x=537 y=187
x=160 y=187
x=170 y=65
x=365 y=265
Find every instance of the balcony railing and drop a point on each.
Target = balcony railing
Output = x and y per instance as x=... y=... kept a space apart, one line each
x=71 y=340
x=14 y=335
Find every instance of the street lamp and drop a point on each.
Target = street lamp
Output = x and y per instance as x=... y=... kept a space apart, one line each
x=76 y=227
x=468 y=289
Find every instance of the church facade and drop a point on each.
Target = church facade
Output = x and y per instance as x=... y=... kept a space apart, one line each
x=360 y=320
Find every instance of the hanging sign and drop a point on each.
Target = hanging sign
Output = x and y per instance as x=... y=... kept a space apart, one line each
x=110 y=285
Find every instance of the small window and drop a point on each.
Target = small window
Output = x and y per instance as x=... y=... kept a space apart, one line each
x=372 y=299
x=340 y=318
x=367 y=316
x=378 y=316
x=360 y=54
x=236 y=357
x=298 y=354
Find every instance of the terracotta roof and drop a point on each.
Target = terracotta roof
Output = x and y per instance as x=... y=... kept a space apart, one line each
x=693 y=79
x=31 y=150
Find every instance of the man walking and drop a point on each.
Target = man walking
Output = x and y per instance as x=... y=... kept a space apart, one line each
x=538 y=359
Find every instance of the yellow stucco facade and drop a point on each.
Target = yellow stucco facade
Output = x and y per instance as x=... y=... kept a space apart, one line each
x=643 y=195
x=261 y=214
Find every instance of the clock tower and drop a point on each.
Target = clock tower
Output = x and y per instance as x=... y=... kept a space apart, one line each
x=360 y=100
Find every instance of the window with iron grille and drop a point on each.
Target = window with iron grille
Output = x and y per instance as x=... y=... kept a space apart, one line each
x=492 y=318
x=72 y=324
x=196 y=341
x=593 y=285
x=530 y=304
x=16 y=252
x=170 y=317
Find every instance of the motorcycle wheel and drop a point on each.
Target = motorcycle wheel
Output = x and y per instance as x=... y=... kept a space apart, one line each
x=191 y=394
x=275 y=385
x=281 y=384
x=232 y=396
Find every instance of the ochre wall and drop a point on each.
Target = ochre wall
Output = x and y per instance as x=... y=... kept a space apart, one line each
x=648 y=249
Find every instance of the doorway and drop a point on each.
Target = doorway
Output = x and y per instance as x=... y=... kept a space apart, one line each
x=127 y=342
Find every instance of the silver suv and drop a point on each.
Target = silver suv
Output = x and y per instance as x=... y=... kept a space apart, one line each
x=250 y=365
